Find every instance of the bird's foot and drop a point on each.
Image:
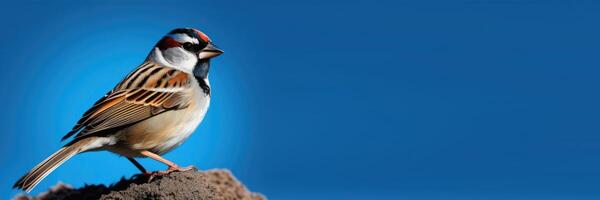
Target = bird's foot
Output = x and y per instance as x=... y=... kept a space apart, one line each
x=181 y=169
x=171 y=169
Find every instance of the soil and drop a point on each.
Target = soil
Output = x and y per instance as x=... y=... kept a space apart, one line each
x=204 y=185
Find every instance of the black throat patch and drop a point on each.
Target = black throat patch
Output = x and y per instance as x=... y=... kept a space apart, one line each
x=201 y=73
x=203 y=85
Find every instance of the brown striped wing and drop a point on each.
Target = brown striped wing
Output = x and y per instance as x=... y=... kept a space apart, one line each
x=146 y=92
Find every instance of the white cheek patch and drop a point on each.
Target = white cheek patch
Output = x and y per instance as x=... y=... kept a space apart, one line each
x=183 y=38
x=174 y=57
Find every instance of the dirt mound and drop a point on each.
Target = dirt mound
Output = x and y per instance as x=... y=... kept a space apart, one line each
x=212 y=184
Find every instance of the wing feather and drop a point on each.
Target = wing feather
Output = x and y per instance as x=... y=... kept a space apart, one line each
x=148 y=91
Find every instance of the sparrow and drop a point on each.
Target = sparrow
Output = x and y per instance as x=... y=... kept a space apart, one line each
x=153 y=110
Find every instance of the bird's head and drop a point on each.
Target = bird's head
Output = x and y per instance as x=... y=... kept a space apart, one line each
x=186 y=49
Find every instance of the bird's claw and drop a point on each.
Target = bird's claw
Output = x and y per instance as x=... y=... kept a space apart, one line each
x=181 y=169
x=171 y=169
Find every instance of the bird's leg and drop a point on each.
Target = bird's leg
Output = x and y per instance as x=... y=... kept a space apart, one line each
x=172 y=166
x=138 y=165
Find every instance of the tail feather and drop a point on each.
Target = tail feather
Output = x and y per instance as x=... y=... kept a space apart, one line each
x=28 y=181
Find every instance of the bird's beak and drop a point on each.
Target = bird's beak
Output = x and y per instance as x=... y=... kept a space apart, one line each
x=209 y=51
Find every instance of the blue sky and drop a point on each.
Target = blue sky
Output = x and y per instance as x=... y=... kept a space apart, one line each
x=330 y=100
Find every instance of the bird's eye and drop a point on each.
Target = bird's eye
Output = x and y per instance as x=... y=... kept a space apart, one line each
x=191 y=47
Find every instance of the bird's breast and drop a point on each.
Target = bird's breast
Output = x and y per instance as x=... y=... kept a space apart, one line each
x=164 y=132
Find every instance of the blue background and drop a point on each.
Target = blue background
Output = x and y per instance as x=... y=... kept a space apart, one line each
x=477 y=99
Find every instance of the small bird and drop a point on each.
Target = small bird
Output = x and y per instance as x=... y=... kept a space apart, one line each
x=154 y=109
